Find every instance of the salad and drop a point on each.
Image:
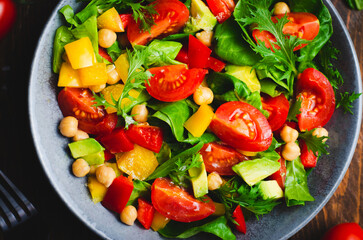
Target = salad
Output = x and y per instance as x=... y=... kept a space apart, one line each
x=189 y=115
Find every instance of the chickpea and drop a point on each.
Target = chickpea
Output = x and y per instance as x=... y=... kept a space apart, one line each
x=68 y=126
x=98 y=88
x=288 y=134
x=106 y=38
x=205 y=37
x=112 y=74
x=214 y=181
x=291 y=151
x=93 y=168
x=128 y=215
x=321 y=132
x=281 y=8
x=203 y=95
x=80 y=168
x=105 y=175
x=80 y=135
x=139 y=113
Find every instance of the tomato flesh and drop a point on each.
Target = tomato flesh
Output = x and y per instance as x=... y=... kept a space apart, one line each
x=242 y=126
x=117 y=141
x=175 y=82
x=220 y=158
x=103 y=53
x=308 y=159
x=318 y=99
x=172 y=16
x=7 y=16
x=177 y=204
x=145 y=213
x=280 y=175
x=344 y=231
x=240 y=219
x=221 y=9
x=149 y=137
x=278 y=108
x=198 y=53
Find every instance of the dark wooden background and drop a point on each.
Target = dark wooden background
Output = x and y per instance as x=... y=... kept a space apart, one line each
x=20 y=163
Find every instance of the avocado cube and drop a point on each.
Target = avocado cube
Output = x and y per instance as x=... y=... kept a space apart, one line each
x=270 y=189
x=199 y=180
x=84 y=147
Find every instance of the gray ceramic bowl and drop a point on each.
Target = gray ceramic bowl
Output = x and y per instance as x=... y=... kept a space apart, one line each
x=282 y=223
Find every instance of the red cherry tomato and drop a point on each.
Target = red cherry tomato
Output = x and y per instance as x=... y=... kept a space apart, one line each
x=278 y=108
x=308 y=159
x=149 y=137
x=302 y=25
x=175 y=82
x=79 y=103
x=222 y=9
x=177 y=204
x=220 y=159
x=240 y=219
x=242 y=126
x=344 y=231
x=318 y=99
x=172 y=16
x=280 y=175
x=125 y=19
x=7 y=16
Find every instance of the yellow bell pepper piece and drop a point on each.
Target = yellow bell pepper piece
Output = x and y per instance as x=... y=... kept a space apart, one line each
x=94 y=75
x=200 y=120
x=97 y=189
x=122 y=66
x=110 y=20
x=246 y=75
x=69 y=77
x=80 y=53
x=159 y=221
x=115 y=91
x=220 y=209
x=139 y=163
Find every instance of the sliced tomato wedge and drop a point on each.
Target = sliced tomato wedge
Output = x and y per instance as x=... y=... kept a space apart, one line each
x=177 y=204
x=280 y=175
x=125 y=19
x=308 y=158
x=220 y=158
x=302 y=25
x=240 y=219
x=149 y=137
x=278 y=108
x=221 y=9
x=175 y=82
x=242 y=126
x=79 y=103
x=172 y=16
x=318 y=99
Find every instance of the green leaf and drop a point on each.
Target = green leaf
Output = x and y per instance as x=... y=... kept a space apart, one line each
x=114 y=51
x=88 y=29
x=355 y=4
x=296 y=186
x=269 y=87
x=314 y=143
x=346 y=100
x=294 y=110
x=63 y=36
x=68 y=14
x=164 y=154
x=141 y=189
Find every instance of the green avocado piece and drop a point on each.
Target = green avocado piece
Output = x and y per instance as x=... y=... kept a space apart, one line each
x=199 y=180
x=95 y=158
x=246 y=74
x=85 y=147
x=202 y=17
x=270 y=189
x=253 y=171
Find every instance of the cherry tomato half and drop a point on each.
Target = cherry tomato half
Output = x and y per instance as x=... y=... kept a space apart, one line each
x=318 y=99
x=242 y=126
x=345 y=231
x=220 y=159
x=172 y=16
x=278 y=108
x=177 y=204
x=308 y=159
x=221 y=9
x=7 y=16
x=79 y=103
x=302 y=25
x=175 y=82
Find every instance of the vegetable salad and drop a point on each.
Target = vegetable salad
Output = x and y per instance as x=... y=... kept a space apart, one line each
x=186 y=116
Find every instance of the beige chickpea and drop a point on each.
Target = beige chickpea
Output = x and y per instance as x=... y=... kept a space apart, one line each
x=106 y=38
x=98 y=88
x=93 y=168
x=80 y=168
x=80 y=135
x=281 y=8
x=68 y=126
x=203 y=95
x=140 y=113
x=112 y=74
x=105 y=175
x=214 y=181
x=205 y=37
x=288 y=134
x=128 y=215
x=321 y=132
x=291 y=151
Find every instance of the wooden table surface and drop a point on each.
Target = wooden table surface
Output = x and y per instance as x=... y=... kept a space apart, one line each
x=20 y=163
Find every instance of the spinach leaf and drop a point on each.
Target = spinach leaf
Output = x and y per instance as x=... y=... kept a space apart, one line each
x=296 y=186
x=161 y=53
x=177 y=36
x=114 y=51
x=63 y=36
x=270 y=153
x=164 y=154
x=68 y=14
x=231 y=46
x=217 y=227
x=141 y=189
x=355 y=4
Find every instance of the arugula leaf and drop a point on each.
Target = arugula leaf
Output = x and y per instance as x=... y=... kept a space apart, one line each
x=294 y=110
x=314 y=143
x=346 y=100
x=180 y=173
x=296 y=186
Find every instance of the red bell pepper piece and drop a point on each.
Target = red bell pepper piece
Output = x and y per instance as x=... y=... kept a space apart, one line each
x=103 y=53
x=221 y=9
x=308 y=159
x=125 y=19
x=280 y=175
x=183 y=55
x=145 y=213
x=117 y=141
x=215 y=64
x=118 y=194
x=239 y=218
x=198 y=53
x=108 y=155
x=149 y=137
